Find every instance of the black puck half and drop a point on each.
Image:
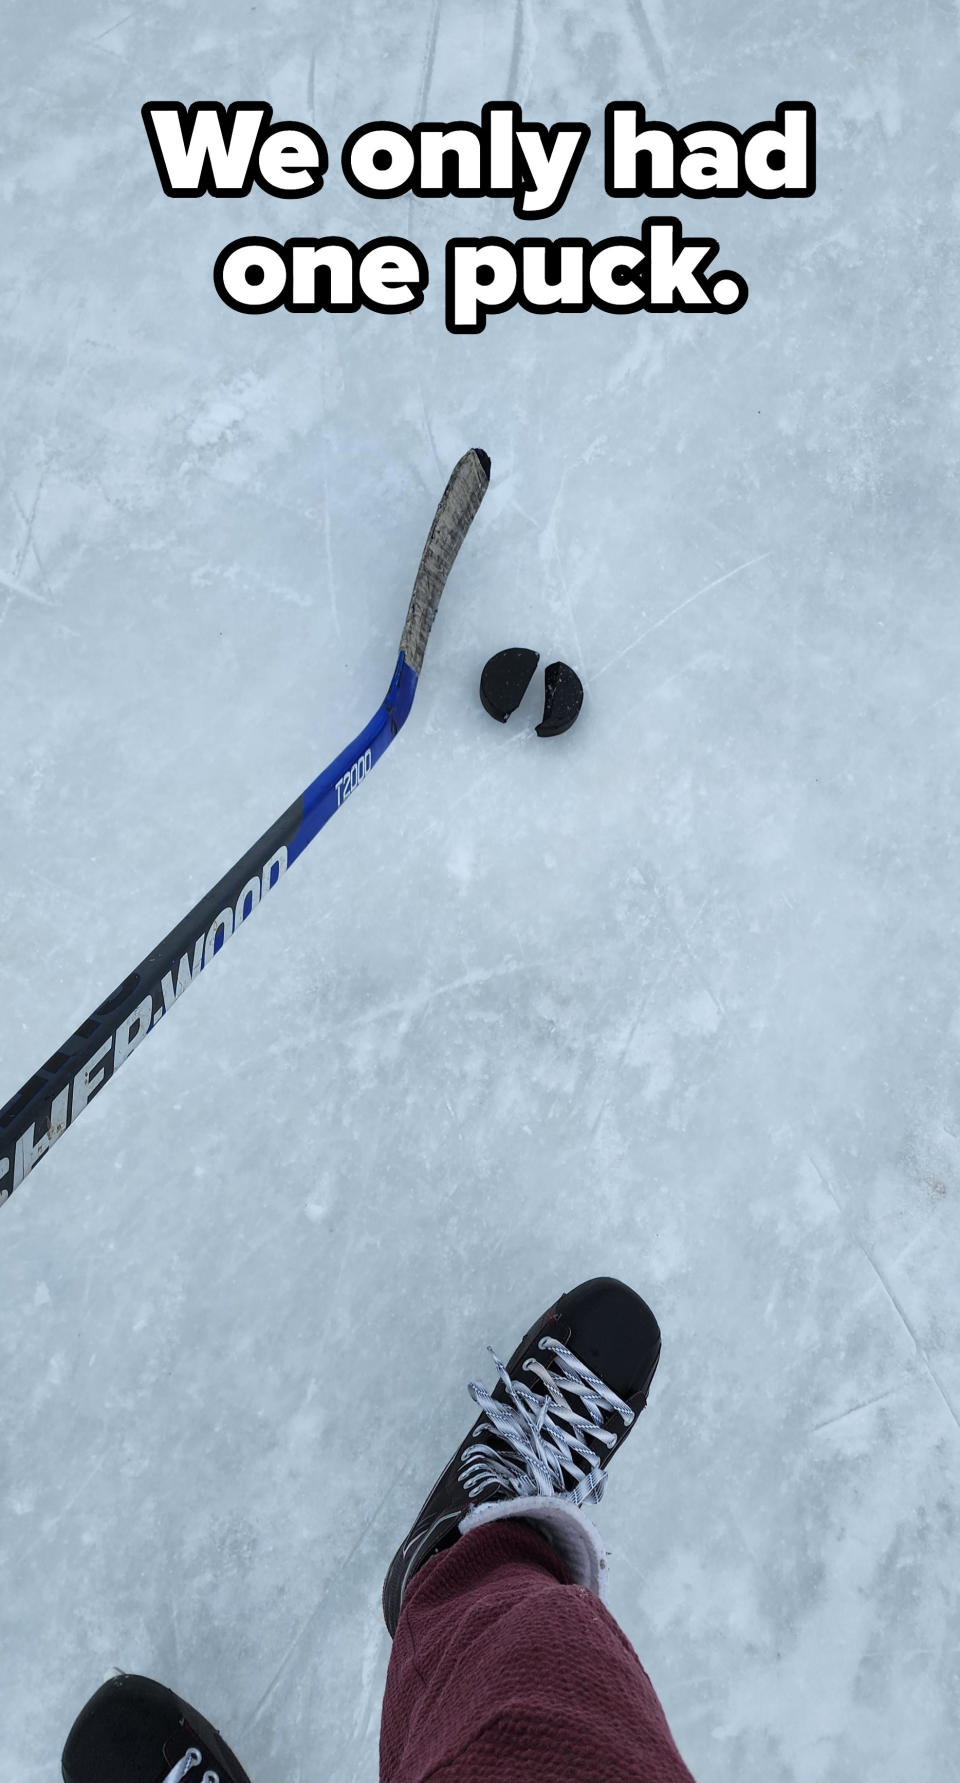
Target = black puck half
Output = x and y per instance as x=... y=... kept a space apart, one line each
x=563 y=697
x=505 y=680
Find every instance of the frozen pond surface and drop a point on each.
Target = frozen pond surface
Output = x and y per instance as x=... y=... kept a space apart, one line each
x=675 y=996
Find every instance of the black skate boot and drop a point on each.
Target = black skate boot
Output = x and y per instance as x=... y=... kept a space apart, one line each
x=135 y=1731
x=600 y=1343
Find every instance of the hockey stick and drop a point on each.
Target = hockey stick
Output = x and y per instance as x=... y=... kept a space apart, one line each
x=34 y=1119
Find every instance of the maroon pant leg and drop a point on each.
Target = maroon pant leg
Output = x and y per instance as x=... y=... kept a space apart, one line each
x=503 y=1672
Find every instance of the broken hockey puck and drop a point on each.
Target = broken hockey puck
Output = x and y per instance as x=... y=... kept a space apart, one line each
x=563 y=697
x=505 y=680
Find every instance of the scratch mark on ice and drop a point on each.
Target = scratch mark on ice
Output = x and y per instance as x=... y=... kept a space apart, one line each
x=28 y=519
x=26 y=594
x=716 y=583
x=548 y=544
x=116 y=27
x=861 y=1406
x=885 y=1285
x=316 y=1612
x=428 y=60
x=642 y=1006
x=408 y=1007
x=516 y=51
x=648 y=39
x=331 y=578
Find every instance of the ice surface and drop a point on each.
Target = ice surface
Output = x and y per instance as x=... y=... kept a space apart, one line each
x=675 y=996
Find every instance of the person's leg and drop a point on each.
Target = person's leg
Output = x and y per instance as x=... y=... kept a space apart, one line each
x=503 y=1671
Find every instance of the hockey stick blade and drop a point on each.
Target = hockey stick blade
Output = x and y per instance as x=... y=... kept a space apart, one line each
x=40 y=1113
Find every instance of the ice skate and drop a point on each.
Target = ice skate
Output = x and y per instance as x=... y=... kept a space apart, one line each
x=563 y=1405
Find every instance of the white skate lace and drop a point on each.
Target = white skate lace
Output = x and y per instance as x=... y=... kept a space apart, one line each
x=543 y=1432
x=190 y=1758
